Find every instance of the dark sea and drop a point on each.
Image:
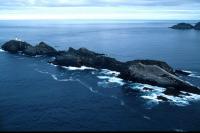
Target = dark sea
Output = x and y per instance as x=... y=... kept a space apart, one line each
x=37 y=96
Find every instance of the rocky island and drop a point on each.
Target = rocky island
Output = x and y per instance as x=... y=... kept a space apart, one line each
x=182 y=26
x=156 y=73
x=186 y=26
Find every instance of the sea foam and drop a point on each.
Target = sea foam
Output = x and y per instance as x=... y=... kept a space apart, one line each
x=78 y=68
x=112 y=79
x=109 y=72
x=192 y=74
x=1 y=50
x=155 y=91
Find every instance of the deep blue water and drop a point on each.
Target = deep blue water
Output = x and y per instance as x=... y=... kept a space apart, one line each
x=37 y=96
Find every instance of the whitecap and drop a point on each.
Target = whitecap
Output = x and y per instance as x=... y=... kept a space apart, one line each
x=152 y=95
x=78 y=68
x=37 y=56
x=87 y=86
x=53 y=64
x=61 y=80
x=146 y=117
x=181 y=100
x=139 y=86
x=1 y=50
x=194 y=75
x=43 y=72
x=109 y=72
x=187 y=71
x=54 y=77
x=103 y=84
x=112 y=79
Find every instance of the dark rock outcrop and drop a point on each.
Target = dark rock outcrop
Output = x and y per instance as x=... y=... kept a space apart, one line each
x=42 y=48
x=15 y=46
x=197 y=26
x=84 y=57
x=182 y=26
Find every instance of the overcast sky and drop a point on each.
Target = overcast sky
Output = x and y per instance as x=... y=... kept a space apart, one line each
x=100 y=9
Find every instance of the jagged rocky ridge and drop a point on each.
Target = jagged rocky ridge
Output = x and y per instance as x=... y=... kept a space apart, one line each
x=151 y=72
x=186 y=26
x=42 y=48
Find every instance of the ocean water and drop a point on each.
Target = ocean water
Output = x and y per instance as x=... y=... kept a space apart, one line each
x=37 y=96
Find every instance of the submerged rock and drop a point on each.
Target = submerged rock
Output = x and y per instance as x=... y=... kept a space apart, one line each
x=182 y=26
x=197 y=26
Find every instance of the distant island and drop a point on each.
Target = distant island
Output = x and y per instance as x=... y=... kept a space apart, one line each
x=186 y=26
x=156 y=73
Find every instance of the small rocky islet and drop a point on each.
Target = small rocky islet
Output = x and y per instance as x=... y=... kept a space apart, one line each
x=152 y=72
x=186 y=26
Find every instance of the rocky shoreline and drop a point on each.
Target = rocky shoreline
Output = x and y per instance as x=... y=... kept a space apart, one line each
x=156 y=73
x=186 y=26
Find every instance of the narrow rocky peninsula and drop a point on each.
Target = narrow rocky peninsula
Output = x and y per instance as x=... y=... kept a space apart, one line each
x=186 y=26
x=151 y=72
x=197 y=26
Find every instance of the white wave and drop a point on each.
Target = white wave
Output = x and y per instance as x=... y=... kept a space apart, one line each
x=87 y=86
x=54 y=77
x=53 y=64
x=187 y=71
x=1 y=50
x=146 y=117
x=103 y=84
x=78 y=68
x=152 y=95
x=37 y=56
x=139 y=86
x=67 y=80
x=61 y=80
x=75 y=68
x=112 y=79
x=43 y=72
x=109 y=72
x=93 y=73
x=194 y=75
x=181 y=100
